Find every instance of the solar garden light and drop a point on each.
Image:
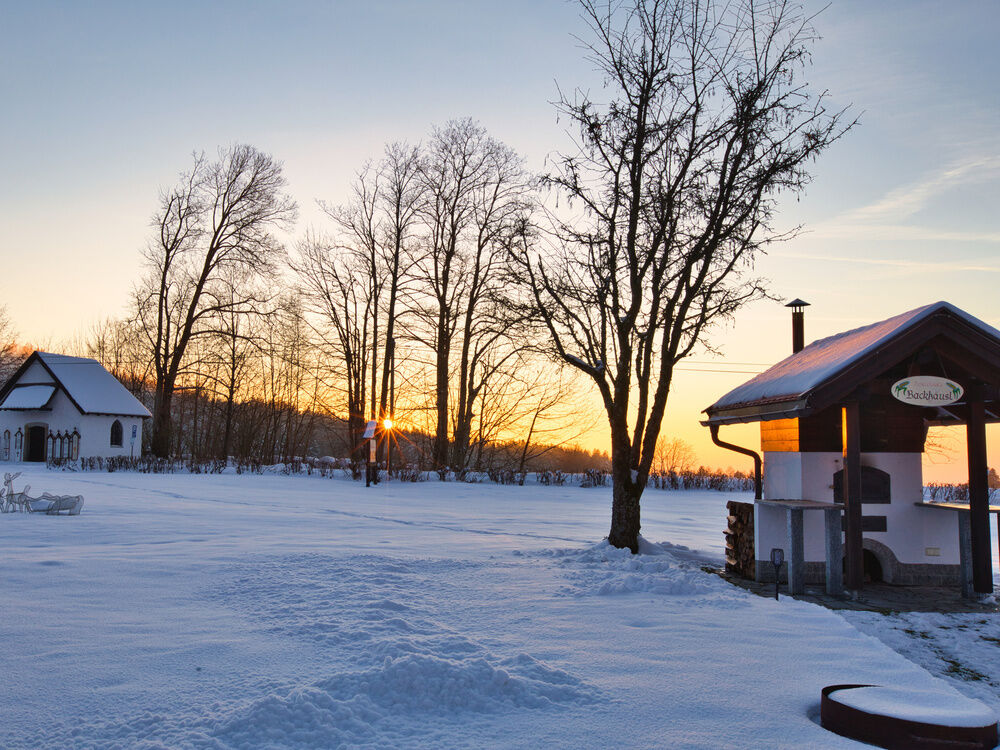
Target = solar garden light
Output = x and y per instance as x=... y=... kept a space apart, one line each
x=777 y=557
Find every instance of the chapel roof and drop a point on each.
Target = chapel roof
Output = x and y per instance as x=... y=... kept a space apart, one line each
x=91 y=388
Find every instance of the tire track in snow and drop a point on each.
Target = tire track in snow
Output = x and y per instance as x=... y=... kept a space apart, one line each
x=456 y=529
x=364 y=516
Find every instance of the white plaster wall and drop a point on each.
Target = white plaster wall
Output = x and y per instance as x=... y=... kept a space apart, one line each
x=62 y=416
x=95 y=430
x=795 y=476
x=911 y=530
x=817 y=475
x=771 y=530
x=36 y=374
x=96 y=436
x=809 y=476
x=782 y=476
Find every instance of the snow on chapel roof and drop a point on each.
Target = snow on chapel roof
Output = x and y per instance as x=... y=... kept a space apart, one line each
x=28 y=397
x=793 y=378
x=92 y=388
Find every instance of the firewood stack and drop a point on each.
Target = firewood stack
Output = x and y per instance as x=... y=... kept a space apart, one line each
x=739 y=540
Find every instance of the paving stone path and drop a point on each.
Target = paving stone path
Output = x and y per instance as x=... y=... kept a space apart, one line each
x=878 y=597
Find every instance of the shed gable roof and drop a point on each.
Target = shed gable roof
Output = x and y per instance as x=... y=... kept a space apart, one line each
x=91 y=388
x=787 y=387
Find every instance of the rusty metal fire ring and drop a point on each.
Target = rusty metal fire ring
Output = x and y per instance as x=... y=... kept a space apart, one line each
x=899 y=733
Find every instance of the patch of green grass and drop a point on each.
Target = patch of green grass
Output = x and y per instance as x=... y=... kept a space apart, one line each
x=962 y=672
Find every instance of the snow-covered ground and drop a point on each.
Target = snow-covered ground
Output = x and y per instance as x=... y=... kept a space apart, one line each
x=299 y=612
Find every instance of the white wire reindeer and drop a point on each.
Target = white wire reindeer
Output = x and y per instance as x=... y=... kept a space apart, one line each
x=13 y=501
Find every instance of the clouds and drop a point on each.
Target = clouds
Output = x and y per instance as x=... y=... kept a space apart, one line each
x=888 y=218
x=903 y=202
x=911 y=264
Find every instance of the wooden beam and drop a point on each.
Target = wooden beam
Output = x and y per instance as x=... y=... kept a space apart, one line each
x=979 y=496
x=850 y=420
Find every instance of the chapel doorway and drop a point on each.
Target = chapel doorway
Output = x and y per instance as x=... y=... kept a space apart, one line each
x=35 y=449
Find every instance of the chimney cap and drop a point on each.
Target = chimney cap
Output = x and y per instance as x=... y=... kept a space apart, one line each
x=797 y=303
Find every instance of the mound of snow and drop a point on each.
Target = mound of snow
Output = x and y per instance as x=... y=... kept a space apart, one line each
x=657 y=569
x=353 y=708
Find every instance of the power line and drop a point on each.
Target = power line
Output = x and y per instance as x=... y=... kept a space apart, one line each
x=731 y=372
x=726 y=362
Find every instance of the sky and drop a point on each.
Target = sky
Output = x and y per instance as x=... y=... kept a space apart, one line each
x=103 y=104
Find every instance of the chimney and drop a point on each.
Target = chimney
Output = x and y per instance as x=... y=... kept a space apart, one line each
x=798 y=324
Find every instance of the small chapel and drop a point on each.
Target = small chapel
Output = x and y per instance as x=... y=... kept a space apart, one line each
x=57 y=407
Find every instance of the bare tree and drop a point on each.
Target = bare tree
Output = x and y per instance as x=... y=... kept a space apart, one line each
x=233 y=345
x=672 y=191
x=490 y=340
x=673 y=455
x=340 y=294
x=475 y=192
x=119 y=345
x=11 y=356
x=219 y=218
x=377 y=229
x=451 y=171
x=401 y=194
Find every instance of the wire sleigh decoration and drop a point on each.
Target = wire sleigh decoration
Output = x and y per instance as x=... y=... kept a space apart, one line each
x=12 y=501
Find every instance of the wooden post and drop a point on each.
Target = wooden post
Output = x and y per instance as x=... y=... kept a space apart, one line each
x=965 y=554
x=796 y=556
x=850 y=421
x=979 y=496
x=834 y=552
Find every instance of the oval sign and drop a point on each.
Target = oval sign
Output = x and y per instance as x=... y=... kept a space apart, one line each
x=927 y=390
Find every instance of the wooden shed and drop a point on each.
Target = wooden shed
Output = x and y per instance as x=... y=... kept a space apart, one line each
x=843 y=427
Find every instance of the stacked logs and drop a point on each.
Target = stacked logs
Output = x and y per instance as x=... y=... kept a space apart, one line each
x=739 y=540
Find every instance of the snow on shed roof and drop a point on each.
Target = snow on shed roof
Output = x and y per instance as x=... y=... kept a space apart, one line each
x=91 y=387
x=795 y=376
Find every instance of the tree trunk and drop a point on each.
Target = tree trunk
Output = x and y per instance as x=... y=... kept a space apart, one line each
x=460 y=448
x=625 y=491
x=162 y=425
x=625 y=496
x=228 y=434
x=441 y=429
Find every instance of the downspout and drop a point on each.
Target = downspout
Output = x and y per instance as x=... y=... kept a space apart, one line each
x=757 y=485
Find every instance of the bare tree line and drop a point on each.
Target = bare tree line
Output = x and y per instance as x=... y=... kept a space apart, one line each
x=395 y=308
x=405 y=292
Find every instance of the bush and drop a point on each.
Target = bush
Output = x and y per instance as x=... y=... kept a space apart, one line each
x=939 y=492
x=556 y=478
x=409 y=473
x=594 y=478
x=506 y=476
